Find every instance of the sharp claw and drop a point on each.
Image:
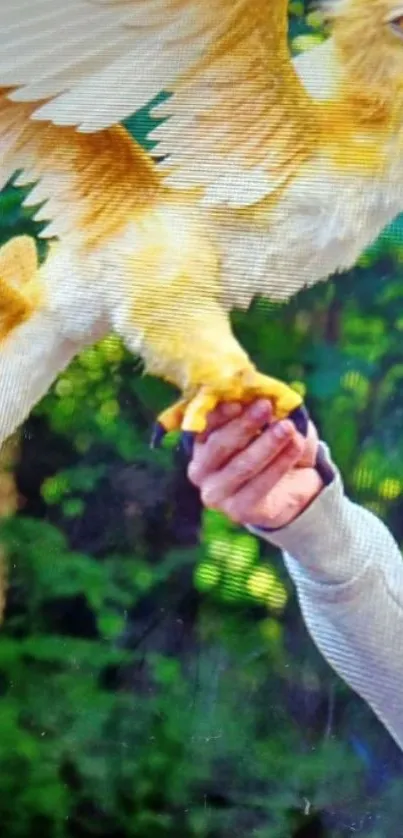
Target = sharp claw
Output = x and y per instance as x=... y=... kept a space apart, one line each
x=157 y=435
x=187 y=443
x=300 y=417
x=323 y=468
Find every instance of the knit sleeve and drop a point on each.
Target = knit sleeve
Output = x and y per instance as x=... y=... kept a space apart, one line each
x=348 y=572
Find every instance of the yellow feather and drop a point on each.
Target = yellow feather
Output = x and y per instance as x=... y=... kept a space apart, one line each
x=19 y=297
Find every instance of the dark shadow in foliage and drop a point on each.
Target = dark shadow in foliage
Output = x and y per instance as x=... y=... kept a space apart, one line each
x=312 y=827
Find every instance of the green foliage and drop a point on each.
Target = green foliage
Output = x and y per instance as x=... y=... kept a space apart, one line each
x=160 y=687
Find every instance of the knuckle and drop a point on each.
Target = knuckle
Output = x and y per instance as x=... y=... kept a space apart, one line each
x=298 y=444
x=248 y=430
x=231 y=509
x=293 y=441
x=245 y=465
x=194 y=473
x=209 y=496
x=288 y=429
x=219 y=446
x=247 y=427
x=218 y=449
x=205 y=496
x=309 y=453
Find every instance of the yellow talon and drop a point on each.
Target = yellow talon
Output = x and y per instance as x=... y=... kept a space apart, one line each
x=171 y=418
x=191 y=415
x=198 y=409
x=283 y=398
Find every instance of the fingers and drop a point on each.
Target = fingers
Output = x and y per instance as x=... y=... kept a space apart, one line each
x=276 y=450
x=223 y=413
x=227 y=438
x=263 y=478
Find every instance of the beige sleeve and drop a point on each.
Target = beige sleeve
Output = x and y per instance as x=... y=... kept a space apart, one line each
x=348 y=572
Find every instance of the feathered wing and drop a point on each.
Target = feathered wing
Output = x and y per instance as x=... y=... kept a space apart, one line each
x=82 y=183
x=85 y=186
x=240 y=122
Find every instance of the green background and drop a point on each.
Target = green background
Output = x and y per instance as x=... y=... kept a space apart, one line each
x=156 y=678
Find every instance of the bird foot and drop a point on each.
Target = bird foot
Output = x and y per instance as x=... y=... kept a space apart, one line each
x=190 y=415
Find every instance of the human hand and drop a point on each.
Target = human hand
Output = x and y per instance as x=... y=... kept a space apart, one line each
x=262 y=477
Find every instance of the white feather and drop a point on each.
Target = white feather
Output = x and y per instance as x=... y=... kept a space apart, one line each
x=239 y=188
x=36 y=196
x=30 y=360
x=48 y=83
x=96 y=62
x=23 y=28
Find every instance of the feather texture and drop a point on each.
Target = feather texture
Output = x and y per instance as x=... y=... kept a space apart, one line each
x=87 y=185
x=297 y=166
x=237 y=105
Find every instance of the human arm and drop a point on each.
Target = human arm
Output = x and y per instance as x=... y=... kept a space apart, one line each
x=345 y=564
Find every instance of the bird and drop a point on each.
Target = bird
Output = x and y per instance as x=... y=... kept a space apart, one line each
x=269 y=173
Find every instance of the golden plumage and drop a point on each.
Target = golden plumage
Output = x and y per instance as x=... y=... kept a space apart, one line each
x=276 y=173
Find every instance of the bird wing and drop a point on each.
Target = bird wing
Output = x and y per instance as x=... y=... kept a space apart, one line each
x=240 y=121
x=85 y=185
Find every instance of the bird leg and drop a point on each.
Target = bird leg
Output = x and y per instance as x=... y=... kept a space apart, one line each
x=177 y=318
x=201 y=355
x=170 y=420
